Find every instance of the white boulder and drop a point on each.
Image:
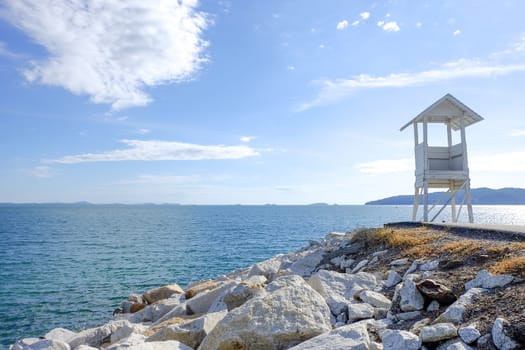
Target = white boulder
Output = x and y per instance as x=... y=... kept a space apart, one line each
x=469 y=334
x=375 y=299
x=306 y=265
x=60 y=334
x=289 y=313
x=397 y=340
x=350 y=337
x=438 y=332
x=485 y=279
x=39 y=344
x=201 y=303
x=393 y=279
x=95 y=336
x=410 y=297
x=500 y=337
x=454 y=313
x=160 y=345
x=360 y=311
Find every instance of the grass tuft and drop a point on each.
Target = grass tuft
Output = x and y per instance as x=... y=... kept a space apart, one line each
x=514 y=265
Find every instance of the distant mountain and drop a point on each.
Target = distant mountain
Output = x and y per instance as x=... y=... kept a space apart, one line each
x=502 y=196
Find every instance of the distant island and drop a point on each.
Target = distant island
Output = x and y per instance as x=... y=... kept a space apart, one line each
x=480 y=196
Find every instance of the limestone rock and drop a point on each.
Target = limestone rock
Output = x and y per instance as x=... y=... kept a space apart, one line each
x=289 y=313
x=375 y=299
x=485 y=343
x=160 y=345
x=469 y=334
x=39 y=344
x=360 y=265
x=438 y=332
x=306 y=265
x=433 y=306
x=125 y=343
x=199 y=288
x=375 y=346
x=339 y=288
x=161 y=293
x=60 y=334
x=202 y=302
x=393 y=279
x=126 y=330
x=85 y=347
x=190 y=333
x=240 y=294
x=500 y=335
x=410 y=315
x=95 y=336
x=399 y=262
x=396 y=340
x=411 y=298
x=454 y=313
x=436 y=291
x=454 y=344
x=429 y=265
x=416 y=328
x=360 y=311
x=154 y=312
x=350 y=337
x=485 y=279
x=268 y=268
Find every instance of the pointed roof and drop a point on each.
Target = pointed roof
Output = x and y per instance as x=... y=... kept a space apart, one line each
x=447 y=108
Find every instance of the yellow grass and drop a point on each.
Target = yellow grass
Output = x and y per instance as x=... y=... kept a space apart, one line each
x=396 y=238
x=463 y=247
x=513 y=265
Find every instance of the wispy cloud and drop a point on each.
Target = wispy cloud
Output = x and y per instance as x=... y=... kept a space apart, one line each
x=143 y=131
x=342 y=25
x=385 y=166
x=364 y=15
x=248 y=138
x=112 y=50
x=517 y=132
x=161 y=150
x=456 y=32
x=40 y=172
x=333 y=90
x=5 y=52
x=391 y=26
x=161 y=179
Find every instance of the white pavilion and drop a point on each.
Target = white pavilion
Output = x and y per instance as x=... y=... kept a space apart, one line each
x=442 y=166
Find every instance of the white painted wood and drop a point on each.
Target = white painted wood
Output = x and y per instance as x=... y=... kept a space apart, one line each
x=443 y=167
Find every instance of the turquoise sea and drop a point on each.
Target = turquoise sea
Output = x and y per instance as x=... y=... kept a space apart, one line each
x=70 y=265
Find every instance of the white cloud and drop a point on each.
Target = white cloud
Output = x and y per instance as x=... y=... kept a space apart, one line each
x=162 y=179
x=290 y=67
x=248 y=138
x=456 y=32
x=40 y=172
x=5 y=52
x=419 y=24
x=355 y=23
x=143 y=131
x=365 y=15
x=112 y=50
x=391 y=27
x=386 y=166
x=333 y=90
x=380 y=23
x=321 y=46
x=498 y=162
x=342 y=25
x=517 y=132
x=161 y=150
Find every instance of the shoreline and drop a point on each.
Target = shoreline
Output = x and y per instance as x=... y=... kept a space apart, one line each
x=369 y=287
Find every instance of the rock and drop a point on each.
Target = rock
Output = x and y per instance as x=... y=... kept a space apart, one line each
x=359 y=311
x=375 y=299
x=438 y=332
x=160 y=345
x=39 y=344
x=96 y=336
x=337 y=260
x=469 y=334
x=346 y=263
x=190 y=333
x=60 y=334
x=433 y=306
x=485 y=343
x=405 y=316
x=375 y=346
x=126 y=330
x=306 y=265
x=500 y=335
x=125 y=343
x=161 y=293
x=485 y=279
x=416 y=328
x=393 y=279
x=411 y=298
x=202 y=302
x=399 y=262
x=85 y=347
x=339 y=288
x=454 y=344
x=411 y=269
x=397 y=340
x=360 y=265
x=350 y=337
x=154 y=312
x=288 y=313
x=240 y=294
x=454 y=313
x=135 y=298
x=268 y=268
x=429 y=265
x=136 y=307
x=436 y=291
x=200 y=287
x=380 y=313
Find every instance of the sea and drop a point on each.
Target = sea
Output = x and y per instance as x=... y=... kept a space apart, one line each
x=71 y=265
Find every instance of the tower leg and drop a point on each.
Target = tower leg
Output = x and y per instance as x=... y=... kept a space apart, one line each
x=416 y=204
x=453 y=201
x=469 y=201
x=425 y=201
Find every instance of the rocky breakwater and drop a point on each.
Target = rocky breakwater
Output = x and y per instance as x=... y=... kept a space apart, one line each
x=369 y=289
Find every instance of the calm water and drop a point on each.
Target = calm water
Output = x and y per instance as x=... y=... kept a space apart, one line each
x=67 y=266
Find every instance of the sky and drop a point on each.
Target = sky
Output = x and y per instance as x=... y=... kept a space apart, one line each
x=249 y=102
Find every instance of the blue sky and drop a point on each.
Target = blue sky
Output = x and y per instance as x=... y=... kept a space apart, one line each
x=252 y=102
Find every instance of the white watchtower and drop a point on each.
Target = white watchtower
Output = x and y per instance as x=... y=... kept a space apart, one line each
x=443 y=167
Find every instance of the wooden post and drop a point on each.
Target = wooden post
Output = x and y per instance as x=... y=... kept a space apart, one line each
x=425 y=170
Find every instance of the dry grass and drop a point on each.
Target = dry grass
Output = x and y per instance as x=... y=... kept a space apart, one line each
x=463 y=247
x=512 y=265
x=406 y=239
